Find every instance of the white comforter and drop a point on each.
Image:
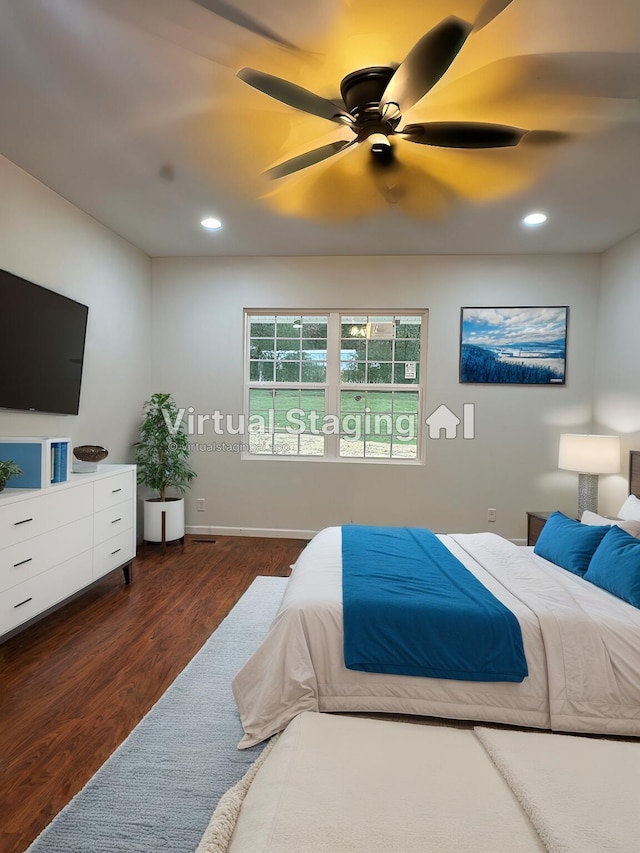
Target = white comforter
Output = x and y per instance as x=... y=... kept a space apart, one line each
x=582 y=647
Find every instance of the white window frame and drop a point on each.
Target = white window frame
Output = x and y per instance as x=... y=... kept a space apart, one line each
x=332 y=386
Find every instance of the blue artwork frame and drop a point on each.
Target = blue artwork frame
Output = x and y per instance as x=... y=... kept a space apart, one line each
x=524 y=345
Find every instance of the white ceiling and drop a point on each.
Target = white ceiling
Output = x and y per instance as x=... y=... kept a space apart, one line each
x=132 y=111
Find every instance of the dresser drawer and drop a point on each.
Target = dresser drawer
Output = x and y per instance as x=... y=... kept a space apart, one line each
x=40 y=553
x=23 y=519
x=28 y=599
x=109 y=522
x=113 y=490
x=113 y=552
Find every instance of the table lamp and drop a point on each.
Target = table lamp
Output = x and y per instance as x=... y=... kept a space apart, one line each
x=589 y=455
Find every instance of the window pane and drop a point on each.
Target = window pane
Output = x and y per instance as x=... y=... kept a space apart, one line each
x=285 y=445
x=288 y=349
x=288 y=371
x=314 y=371
x=380 y=351
x=286 y=398
x=260 y=400
x=262 y=348
x=352 y=425
x=405 y=401
x=352 y=401
x=353 y=349
x=353 y=327
x=312 y=401
x=288 y=327
x=380 y=401
x=408 y=327
x=379 y=372
x=352 y=372
x=261 y=444
x=261 y=371
x=376 y=449
x=262 y=327
x=407 y=351
x=315 y=345
x=312 y=445
x=405 y=427
x=401 y=372
x=351 y=448
x=314 y=327
x=404 y=451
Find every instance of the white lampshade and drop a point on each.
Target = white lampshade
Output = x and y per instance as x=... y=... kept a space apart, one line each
x=590 y=454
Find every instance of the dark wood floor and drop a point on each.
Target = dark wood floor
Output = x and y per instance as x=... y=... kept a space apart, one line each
x=76 y=683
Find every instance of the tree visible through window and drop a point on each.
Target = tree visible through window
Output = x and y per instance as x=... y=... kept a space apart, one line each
x=334 y=385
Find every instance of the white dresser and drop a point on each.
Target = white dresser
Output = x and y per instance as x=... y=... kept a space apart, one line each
x=55 y=541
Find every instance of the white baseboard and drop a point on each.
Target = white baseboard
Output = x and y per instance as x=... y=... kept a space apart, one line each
x=267 y=532
x=271 y=533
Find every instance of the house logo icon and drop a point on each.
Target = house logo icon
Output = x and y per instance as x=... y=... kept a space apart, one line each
x=444 y=420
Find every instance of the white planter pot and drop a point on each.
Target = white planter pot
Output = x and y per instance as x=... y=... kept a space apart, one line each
x=174 y=519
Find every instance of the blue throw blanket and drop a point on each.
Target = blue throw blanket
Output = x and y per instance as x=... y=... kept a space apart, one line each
x=412 y=608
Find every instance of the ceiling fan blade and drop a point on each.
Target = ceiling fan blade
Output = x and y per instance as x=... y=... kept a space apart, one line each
x=489 y=11
x=542 y=138
x=295 y=96
x=328 y=194
x=247 y=22
x=463 y=134
x=310 y=158
x=426 y=62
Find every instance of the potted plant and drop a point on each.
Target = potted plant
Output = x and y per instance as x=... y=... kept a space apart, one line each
x=162 y=457
x=8 y=469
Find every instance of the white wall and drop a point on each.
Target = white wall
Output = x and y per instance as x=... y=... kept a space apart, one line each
x=510 y=465
x=47 y=240
x=617 y=366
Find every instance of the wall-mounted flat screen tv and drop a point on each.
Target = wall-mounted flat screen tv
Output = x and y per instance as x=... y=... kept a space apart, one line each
x=42 y=337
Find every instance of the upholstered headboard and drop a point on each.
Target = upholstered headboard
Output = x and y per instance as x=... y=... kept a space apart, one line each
x=634 y=473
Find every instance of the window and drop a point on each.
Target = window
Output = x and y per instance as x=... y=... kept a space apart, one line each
x=335 y=385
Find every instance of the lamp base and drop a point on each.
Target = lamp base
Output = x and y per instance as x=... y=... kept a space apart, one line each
x=587 y=493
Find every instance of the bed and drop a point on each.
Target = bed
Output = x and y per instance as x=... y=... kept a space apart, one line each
x=582 y=646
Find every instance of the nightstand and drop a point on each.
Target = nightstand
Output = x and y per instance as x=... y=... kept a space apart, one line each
x=535 y=522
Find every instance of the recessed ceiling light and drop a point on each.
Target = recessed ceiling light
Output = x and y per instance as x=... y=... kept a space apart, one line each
x=211 y=223
x=534 y=219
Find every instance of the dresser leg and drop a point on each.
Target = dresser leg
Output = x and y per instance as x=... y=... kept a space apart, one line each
x=126 y=570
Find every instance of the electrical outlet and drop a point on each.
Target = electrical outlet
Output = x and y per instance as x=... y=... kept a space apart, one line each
x=200 y=504
x=491 y=514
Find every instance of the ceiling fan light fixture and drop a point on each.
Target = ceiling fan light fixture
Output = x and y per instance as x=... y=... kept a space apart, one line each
x=211 y=223
x=533 y=219
x=381 y=149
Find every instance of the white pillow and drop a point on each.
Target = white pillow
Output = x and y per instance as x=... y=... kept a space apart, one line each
x=630 y=509
x=593 y=519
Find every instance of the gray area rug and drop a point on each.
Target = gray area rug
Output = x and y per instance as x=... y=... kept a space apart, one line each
x=159 y=788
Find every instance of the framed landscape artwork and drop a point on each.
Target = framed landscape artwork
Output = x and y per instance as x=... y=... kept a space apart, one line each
x=514 y=346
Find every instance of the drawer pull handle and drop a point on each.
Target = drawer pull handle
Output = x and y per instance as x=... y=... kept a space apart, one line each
x=113 y=491
x=22 y=562
x=24 y=521
x=116 y=520
x=26 y=601
x=113 y=553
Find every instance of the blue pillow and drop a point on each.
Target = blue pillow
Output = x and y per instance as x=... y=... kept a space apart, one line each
x=615 y=566
x=568 y=543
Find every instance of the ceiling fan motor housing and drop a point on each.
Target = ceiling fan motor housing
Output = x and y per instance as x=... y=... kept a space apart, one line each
x=362 y=93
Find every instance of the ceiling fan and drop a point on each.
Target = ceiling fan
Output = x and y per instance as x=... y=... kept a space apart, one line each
x=374 y=99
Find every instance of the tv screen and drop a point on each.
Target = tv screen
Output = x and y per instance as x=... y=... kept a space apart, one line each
x=41 y=347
